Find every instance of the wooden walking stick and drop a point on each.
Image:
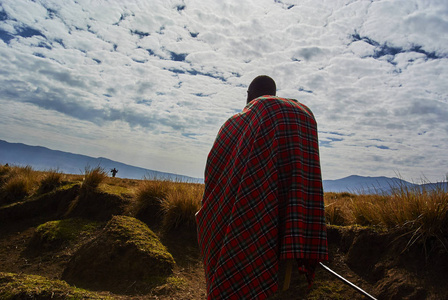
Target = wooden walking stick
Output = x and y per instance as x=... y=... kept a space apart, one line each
x=288 y=272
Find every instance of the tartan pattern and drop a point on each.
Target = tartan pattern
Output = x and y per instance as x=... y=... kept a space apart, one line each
x=263 y=199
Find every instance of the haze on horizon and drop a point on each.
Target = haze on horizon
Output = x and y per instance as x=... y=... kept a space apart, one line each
x=149 y=83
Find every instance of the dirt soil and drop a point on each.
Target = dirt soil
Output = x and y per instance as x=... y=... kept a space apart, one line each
x=373 y=261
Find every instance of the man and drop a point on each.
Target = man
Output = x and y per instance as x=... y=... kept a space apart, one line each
x=263 y=199
x=114 y=172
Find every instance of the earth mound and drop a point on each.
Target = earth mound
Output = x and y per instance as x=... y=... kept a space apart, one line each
x=21 y=286
x=54 y=235
x=96 y=205
x=394 y=268
x=50 y=205
x=125 y=254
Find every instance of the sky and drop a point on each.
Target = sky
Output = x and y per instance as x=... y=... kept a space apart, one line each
x=149 y=83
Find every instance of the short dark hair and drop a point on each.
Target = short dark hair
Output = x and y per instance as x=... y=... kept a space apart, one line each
x=260 y=86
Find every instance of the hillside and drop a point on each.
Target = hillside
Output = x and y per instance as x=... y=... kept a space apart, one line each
x=376 y=185
x=54 y=236
x=360 y=184
x=41 y=158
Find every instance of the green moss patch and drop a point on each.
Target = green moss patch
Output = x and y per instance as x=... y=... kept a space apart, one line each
x=126 y=253
x=15 y=286
x=66 y=230
x=134 y=232
x=53 y=234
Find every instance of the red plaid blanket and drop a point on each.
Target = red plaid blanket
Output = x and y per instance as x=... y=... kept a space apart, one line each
x=263 y=199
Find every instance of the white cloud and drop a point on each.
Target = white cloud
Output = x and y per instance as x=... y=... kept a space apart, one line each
x=150 y=82
x=406 y=23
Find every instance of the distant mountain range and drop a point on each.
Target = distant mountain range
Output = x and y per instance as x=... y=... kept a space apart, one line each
x=41 y=158
x=373 y=185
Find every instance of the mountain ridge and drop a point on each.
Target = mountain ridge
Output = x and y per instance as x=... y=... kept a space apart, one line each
x=376 y=185
x=42 y=158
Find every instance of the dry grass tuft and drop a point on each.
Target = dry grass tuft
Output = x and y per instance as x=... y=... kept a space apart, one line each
x=173 y=204
x=51 y=180
x=180 y=206
x=16 y=183
x=92 y=178
x=336 y=210
x=151 y=192
x=421 y=213
x=149 y=195
x=4 y=171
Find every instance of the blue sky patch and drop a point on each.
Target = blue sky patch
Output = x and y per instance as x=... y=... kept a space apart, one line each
x=28 y=32
x=180 y=7
x=3 y=15
x=386 y=49
x=6 y=36
x=178 y=56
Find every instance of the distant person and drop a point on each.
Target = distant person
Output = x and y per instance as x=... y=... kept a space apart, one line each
x=114 y=172
x=263 y=202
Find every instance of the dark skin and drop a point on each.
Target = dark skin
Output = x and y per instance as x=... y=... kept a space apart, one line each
x=262 y=85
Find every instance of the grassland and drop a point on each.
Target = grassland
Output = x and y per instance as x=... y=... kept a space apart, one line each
x=416 y=221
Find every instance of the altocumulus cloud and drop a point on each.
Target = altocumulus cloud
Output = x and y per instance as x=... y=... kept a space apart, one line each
x=150 y=82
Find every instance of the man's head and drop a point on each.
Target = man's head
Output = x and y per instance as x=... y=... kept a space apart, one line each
x=260 y=86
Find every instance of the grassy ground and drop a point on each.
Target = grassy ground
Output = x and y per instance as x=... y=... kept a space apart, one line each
x=409 y=225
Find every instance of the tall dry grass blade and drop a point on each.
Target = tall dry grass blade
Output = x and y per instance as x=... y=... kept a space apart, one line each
x=92 y=178
x=180 y=206
x=51 y=180
x=17 y=183
x=336 y=208
x=149 y=196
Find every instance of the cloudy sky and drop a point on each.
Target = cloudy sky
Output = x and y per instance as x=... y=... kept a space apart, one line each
x=149 y=83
